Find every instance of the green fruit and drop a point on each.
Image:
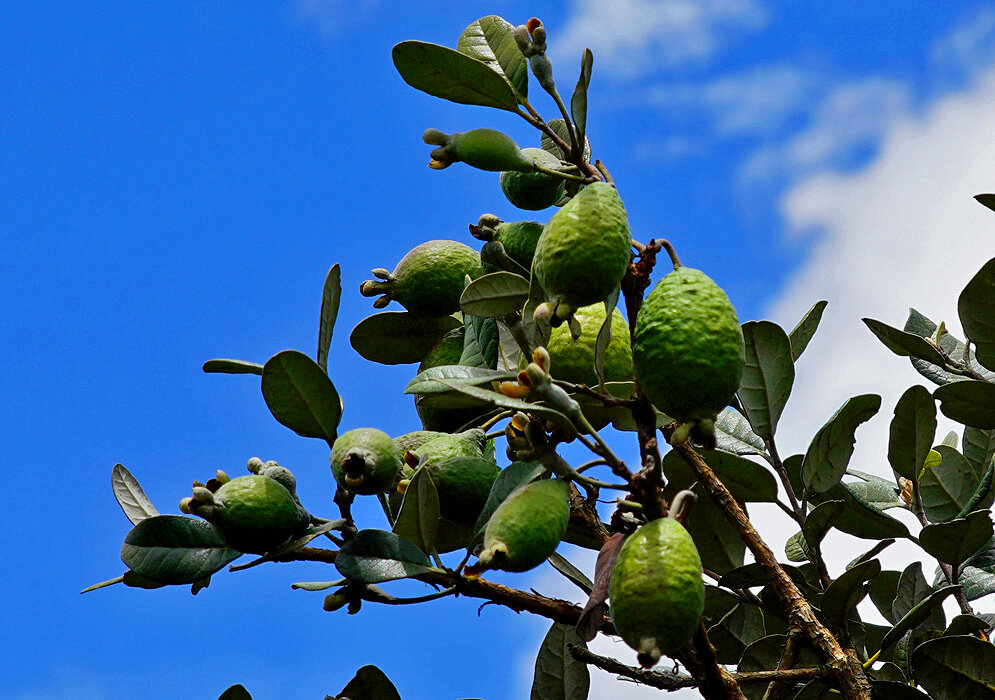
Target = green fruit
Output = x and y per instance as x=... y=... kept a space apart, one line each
x=463 y=484
x=469 y=443
x=446 y=352
x=428 y=280
x=536 y=190
x=656 y=591
x=688 y=346
x=584 y=249
x=573 y=360
x=365 y=461
x=527 y=527
x=519 y=239
x=415 y=439
x=485 y=149
x=256 y=514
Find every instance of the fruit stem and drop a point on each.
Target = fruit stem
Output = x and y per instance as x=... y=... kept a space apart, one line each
x=386 y=507
x=667 y=246
x=559 y=173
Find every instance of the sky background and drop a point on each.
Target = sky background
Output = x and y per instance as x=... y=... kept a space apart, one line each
x=178 y=178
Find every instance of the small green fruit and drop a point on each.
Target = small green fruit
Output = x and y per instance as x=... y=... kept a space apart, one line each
x=688 y=347
x=415 y=439
x=428 y=280
x=584 y=250
x=573 y=360
x=255 y=514
x=463 y=484
x=519 y=238
x=446 y=352
x=484 y=149
x=536 y=190
x=365 y=461
x=469 y=443
x=527 y=527
x=656 y=590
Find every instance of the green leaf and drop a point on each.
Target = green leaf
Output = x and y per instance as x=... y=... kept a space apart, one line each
x=232 y=367
x=397 y=337
x=491 y=40
x=578 y=102
x=506 y=402
x=571 y=572
x=558 y=675
x=842 y=595
x=746 y=480
x=427 y=382
x=797 y=549
x=912 y=590
x=172 y=549
x=318 y=585
x=979 y=446
x=971 y=402
x=987 y=200
x=977 y=582
x=912 y=431
x=802 y=333
x=821 y=520
x=976 y=308
x=130 y=496
x=480 y=343
x=764 y=655
x=966 y=624
x=955 y=668
x=236 y=692
x=904 y=344
x=895 y=689
x=331 y=292
x=954 y=348
x=947 y=487
x=871 y=553
x=370 y=683
x=767 y=376
x=374 y=556
x=418 y=519
x=718 y=543
x=740 y=627
x=495 y=294
x=880 y=493
x=955 y=541
x=513 y=476
x=734 y=434
x=104 y=584
x=916 y=616
x=560 y=128
x=451 y=75
x=861 y=518
x=604 y=336
x=830 y=450
x=753 y=574
x=301 y=396
x=883 y=591
x=891 y=672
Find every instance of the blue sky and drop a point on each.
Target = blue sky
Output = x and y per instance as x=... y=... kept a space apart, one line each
x=179 y=178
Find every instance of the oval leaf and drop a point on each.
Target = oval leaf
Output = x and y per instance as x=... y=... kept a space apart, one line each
x=173 y=549
x=954 y=668
x=236 y=692
x=861 y=518
x=578 y=102
x=331 y=293
x=491 y=40
x=955 y=541
x=946 y=487
x=912 y=590
x=979 y=446
x=512 y=477
x=370 y=683
x=374 y=556
x=740 y=627
x=232 y=367
x=746 y=480
x=916 y=616
x=734 y=434
x=130 y=496
x=495 y=294
x=904 y=344
x=418 y=519
x=846 y=591
x=912 y=431
x=830 y=450
x=301 y=396
x=451 y=75
x=971 y=402
x=427 y=382
x=802 y=333
x=767 y=376
x=397 y=337
x=976 y=308
x=558 y=675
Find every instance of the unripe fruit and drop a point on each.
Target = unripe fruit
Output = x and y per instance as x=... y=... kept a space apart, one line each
x=573 y=360
x=656 y=590
x=485 y=149
x=254 y=514
x=463 y=484
x=469 y=443
x=428 y=280
x=519 y=238
x=365 y=461
x=536 y=190
x=527 y=527
x=688 y=347
x=584 y=250
x=446 y=352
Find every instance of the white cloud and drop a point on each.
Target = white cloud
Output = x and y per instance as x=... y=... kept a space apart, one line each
x=967 y=47
x=630 y=38
x=330 y=15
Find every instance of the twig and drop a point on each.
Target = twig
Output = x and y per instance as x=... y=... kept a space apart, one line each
x=654 y=679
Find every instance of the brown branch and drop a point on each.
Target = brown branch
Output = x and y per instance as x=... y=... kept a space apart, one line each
x=788 y=657
x=845 y=669
x=654 y=679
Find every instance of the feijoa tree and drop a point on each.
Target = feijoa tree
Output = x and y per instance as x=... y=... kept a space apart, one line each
x=521 y=349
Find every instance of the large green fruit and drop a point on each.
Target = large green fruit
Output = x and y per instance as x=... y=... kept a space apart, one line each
x=573 y=360
x=365 y=461
x=256 y=514
x=428 y=280
x=469 y=443
x=584 y=249
x=688 y=346
x=415 y=439
x=534 y=191
x=527 y=527
x=463 y=484
x=656 y=591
